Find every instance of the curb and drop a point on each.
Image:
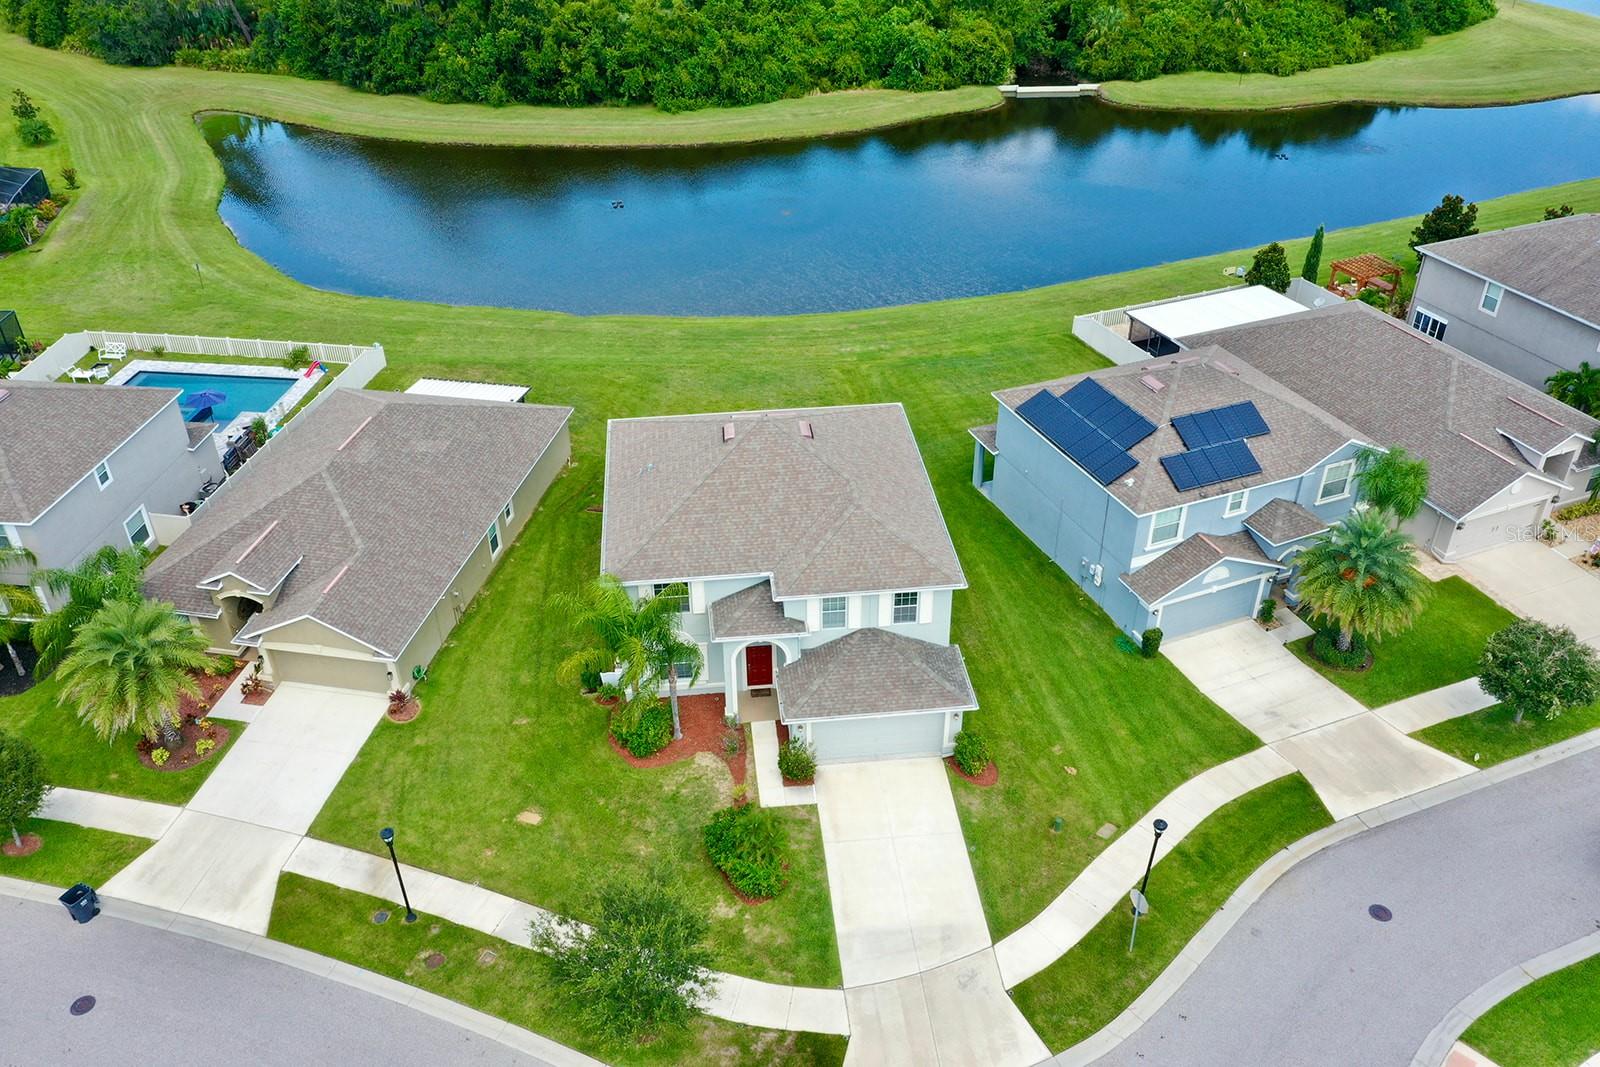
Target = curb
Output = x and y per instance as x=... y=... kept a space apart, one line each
x=1254 y=887
x=431 y=1004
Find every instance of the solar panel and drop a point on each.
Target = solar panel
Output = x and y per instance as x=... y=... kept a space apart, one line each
x=1090 y=448
x=1210 y=465
x=1232 y=423
x=1107 y=414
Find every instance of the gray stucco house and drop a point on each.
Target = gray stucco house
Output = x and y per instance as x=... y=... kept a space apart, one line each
x=83 y=466
x=1177 y=490
x=350 y=545
x=819 y=570
x=1525 y=299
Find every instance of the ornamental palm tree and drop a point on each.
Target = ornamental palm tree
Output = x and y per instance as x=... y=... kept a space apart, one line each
x=1395 y=482
x=127 y=667
x=20 y=602
x=104 y=576
x=1577 y=388
x=1360 y=574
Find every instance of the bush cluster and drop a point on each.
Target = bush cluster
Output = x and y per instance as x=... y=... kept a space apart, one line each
x=642 y=731
x=796 y=761
x=972 y=753
x=1580 y=510
x=1325 y=646
x=750 y=845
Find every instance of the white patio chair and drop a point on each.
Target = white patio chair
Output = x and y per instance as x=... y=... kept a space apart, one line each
x=81 y=374
x=115 y=350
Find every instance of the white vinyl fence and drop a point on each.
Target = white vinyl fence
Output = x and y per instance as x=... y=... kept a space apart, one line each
x=363 y=362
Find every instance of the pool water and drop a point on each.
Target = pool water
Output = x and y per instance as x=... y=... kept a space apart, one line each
x=242 y=392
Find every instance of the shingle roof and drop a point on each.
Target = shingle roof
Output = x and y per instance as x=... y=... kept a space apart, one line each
x=381 y=497
x=198 y=432
x=874 y=672
x=1556 y=261
x=1281 y=520
x=985 y=436
x=53 y=434
x=751 y=612
x=1302 y=435
x=1398 y=387
x=1188 y=560
x=849 y=509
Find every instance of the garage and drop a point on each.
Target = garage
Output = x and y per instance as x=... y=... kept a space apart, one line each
x=869 y=737
x=1212 y=608
x=1501 y=528
x=367 y=675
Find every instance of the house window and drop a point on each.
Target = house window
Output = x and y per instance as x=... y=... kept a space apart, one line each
x=506 y=512
x=1336 y=481
x=683 y=670
x=905 y=608
x=7 y=540
x=494 y=539
x=1166 y=526
x=1427 y=322
x=1492 y=294
x=137 y=526
x=834 y=612
x=681 y=602
x=1236 y=503
x=102 y=475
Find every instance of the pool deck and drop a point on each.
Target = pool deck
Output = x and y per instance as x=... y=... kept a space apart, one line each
x=297 y=392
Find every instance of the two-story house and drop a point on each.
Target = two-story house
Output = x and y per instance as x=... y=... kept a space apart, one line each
x=819 y=570
x=1525 y=300
x=83 y=466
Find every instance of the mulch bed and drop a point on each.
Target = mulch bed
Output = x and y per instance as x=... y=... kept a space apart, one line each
x=404 y=712
x=211 y=687
x=31 y=843
x=783 y=739
x=260 y=696
x=12 y=683
x=703 y=731
x=990 y=775
x=182 y=758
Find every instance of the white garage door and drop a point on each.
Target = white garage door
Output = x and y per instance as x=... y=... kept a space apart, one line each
x=878 y=737
x=1491 y=531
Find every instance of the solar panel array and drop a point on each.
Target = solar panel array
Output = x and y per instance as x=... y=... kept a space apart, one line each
x=1091 y=426
x=1232 y=423
x=1210 y=465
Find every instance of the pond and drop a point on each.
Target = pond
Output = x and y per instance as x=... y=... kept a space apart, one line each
x=1028 y=194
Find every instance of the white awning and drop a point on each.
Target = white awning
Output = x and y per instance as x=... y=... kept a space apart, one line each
x=511 y=394
x=1215 y=311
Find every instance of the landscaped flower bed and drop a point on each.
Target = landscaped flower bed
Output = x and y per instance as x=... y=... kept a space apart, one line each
x=704 y=730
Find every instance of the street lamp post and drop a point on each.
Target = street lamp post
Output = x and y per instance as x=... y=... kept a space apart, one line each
x=1160 y=828
x=387 y=834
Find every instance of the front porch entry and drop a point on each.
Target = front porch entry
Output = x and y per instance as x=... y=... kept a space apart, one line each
x=752 y=674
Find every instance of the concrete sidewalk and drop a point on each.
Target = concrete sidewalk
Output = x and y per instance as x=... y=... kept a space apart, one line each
x=103 y=811
x=770 y=790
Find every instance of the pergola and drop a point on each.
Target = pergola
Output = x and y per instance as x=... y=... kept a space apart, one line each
x=1363 y=271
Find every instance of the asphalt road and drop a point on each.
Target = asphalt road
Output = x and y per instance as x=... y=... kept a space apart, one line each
x=1476 y=885
x=164 y=998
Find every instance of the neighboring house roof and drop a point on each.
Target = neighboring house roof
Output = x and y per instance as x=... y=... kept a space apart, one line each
x=847 y=509
x=510 y=394
x=1555 y=262
x=1188 y=560
x=363 y=509
x=1301 y=434
x=1281 y=520
x=751 y=612
x=1214 y=311
x=53 y=434
x=199 y=432
x=1400 y=388
x=874 y=672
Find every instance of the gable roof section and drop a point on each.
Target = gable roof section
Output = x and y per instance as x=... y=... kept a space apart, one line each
x=847 y=509
x=1188 y=560
x=874 y=672
x=363 y=509
x=1555 y=262
x=52 y=435
x=751 y=612
x=1281 y=520
x=1399 y=388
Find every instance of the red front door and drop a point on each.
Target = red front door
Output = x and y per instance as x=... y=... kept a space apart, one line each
x=758 y=666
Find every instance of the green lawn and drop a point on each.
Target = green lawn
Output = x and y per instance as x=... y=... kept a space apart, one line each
x=72 y=854
x=1490 y=736
x=516 y=986
x=1091 y=985
x=74 y=756
x=1553 y=1022
x=1443 y=647
x=1526 y=52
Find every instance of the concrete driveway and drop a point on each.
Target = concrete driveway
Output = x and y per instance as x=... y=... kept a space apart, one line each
x=1540 y=583
x=1354 y=758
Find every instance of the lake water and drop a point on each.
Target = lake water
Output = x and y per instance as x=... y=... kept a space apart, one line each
x=1029 y=194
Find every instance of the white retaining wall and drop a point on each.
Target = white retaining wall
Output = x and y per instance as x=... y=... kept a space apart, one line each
x=1095 y=331
x=1311 y=294
x=56 y=360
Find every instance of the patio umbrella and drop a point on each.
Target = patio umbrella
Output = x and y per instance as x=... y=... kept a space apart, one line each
x=206 y=398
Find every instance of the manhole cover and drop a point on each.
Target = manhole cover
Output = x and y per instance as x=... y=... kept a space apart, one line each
x=434 y=961
x=1381 y=913
x=82 y=1006
x=380 y=917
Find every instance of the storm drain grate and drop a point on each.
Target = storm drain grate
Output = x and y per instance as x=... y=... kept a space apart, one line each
x=1381 y=913
x=380 y=917
x=82 y=1006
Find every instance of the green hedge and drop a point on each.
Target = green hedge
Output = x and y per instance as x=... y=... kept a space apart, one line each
x=750 y=845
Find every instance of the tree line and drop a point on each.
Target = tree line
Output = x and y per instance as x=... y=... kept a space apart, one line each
x=683 y=54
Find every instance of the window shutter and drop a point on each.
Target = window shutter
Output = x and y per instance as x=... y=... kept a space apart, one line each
x=885 y=609
x=924 y=607
x=697 y=597
x=852 y=612
x=813 y=614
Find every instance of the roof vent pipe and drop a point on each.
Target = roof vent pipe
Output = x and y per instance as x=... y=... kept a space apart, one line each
x=807 y=430
x=727 y=432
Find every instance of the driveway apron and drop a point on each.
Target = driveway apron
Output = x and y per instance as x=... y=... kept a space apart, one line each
x=1539 y=582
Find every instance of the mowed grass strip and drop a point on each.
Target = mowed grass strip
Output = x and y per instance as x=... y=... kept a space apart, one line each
x=1492 y=735
x=1526 y=52
x=1552 y=1022
x=71 y=854
x=515 y=984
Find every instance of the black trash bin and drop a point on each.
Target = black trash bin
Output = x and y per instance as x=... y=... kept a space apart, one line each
x=81 y=902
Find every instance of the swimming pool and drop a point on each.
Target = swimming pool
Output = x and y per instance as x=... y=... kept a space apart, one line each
x=241 y=392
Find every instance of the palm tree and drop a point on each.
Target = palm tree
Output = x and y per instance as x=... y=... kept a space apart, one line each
x=128 y=666
x=105 y=575
x=1577 y=388
x=668 y=647
x=1360 y=574
x=1395 y=482
x=21 y=602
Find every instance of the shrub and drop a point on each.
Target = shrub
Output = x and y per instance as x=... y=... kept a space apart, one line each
x=158 y=350
x=589 y=680
x=1374 y=297
x=1267 y=612
x=258 y=431
x=1579 y=510
x=222 y=665
x=159 y=755
x=1311 y=268
x=972 y=752
x=642 y=731
x=1325 y=646
x=299 y=358
x=1270 y=268
x=70 y=176
x=1561 y=212
x=1150 y=642
x=1534 y=667
x=796 y=761
x=22 y=106
x=204 y=745
x=22 y=784
x=749 y=844
x=1453 y=218
x=47 y=209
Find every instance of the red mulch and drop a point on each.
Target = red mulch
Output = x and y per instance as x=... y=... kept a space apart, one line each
x=183 y=757
x=260 y=696
x=783 y=739
x=990 y=775
x=703 y=731
x=210 y=689
x=31 y=843
x=405 y=712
